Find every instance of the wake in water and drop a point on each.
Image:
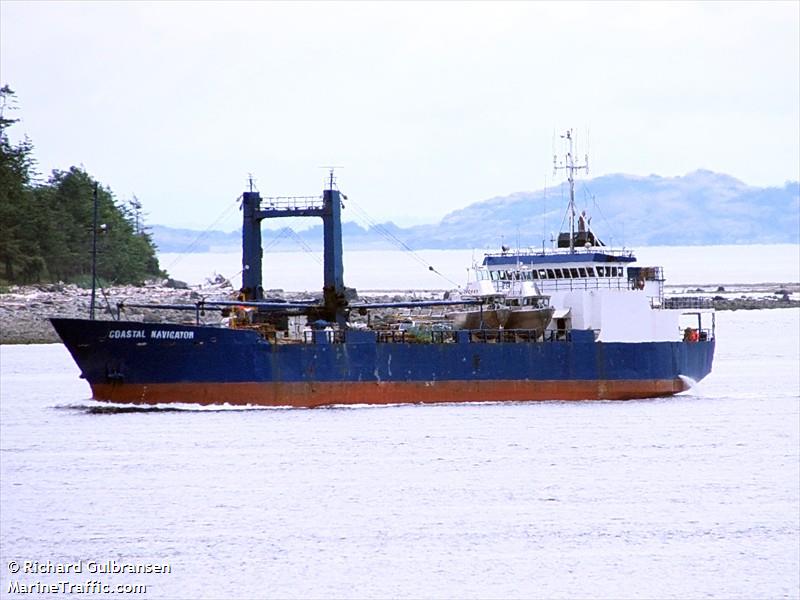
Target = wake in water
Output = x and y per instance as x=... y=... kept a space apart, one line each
x=690 y=383
x=93 y=407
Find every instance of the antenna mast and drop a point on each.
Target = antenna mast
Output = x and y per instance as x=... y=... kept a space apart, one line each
x=94 y=254
x=331 y=181
x=568 y=164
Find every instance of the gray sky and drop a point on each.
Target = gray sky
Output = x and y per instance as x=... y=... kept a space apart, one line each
x=427 y=106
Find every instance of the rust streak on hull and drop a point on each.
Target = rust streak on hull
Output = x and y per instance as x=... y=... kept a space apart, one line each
x=310 y=395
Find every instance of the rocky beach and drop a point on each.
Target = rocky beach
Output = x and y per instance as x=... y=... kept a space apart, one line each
x=24 y=310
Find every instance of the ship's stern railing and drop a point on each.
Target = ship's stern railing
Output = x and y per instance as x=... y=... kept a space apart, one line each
x=694 y=322
x=691 y=308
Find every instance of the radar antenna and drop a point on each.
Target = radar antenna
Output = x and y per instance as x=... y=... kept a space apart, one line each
x=568 y=165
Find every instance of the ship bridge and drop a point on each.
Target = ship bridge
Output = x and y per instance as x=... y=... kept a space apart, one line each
x=537 y=258
x=554 y=272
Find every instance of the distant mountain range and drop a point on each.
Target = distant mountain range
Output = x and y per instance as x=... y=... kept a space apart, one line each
x=701 y=207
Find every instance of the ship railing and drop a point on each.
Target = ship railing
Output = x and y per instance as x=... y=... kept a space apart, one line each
x=504 y=336
x=417 y=336
x=391 y=337
x=292 y=202
x=705 y=334
x=472 y=336
x=570 y=285
x=531 y=251
x=571 y=335
x=697 y=335
x=442 y=336
x=476 y=336
x=682 y=302
x=324 y=336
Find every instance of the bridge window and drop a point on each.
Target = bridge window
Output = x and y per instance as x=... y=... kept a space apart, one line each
x=601 y=271
x=534 y=275
x=590 y=271
x=551 y=274
x=582 y=271
x=495 y=275
x=574 y=272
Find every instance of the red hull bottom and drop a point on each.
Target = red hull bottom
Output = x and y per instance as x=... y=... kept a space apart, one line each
x=310 y=395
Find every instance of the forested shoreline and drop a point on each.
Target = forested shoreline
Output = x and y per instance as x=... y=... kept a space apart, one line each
x=46 y=227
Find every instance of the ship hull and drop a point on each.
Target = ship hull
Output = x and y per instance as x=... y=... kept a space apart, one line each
x=145 y=363
x=312 y=395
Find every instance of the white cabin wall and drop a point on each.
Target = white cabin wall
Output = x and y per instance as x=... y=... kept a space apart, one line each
x=597 y=310
x=580 y=306
x=664 y=326
x=626 y=316
x=652 y=289
x=619 y=315
x=623 y=316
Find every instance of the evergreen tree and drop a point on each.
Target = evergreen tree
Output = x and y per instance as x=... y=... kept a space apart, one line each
x=20 y=256
x=46 y=230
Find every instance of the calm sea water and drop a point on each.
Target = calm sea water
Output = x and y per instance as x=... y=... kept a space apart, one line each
x=689 y=497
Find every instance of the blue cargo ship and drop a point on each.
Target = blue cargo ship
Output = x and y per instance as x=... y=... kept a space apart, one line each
x=611 y=334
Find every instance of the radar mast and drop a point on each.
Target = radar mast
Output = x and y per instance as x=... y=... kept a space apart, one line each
x=568 y=165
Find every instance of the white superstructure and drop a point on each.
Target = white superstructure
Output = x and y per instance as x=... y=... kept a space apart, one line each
x=592 y=287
